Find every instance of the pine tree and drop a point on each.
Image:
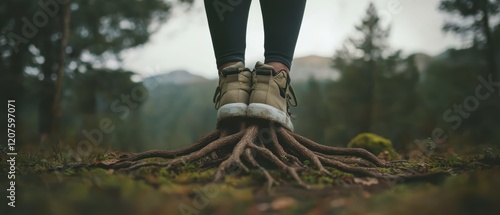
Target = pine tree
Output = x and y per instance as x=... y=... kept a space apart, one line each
x=361 y=63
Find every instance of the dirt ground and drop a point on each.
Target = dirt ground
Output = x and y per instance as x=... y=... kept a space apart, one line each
x=470 y=186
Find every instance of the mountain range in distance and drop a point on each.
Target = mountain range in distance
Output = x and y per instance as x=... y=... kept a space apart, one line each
x=303 y=68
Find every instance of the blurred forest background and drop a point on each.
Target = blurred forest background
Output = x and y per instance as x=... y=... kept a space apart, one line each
x=65 y=88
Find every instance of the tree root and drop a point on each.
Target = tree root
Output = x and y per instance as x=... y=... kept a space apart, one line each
x=237 y=147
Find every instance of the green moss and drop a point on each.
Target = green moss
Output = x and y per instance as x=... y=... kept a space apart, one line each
x=437 y=169
x=239 y=181
x=309 y=179
x=193 y=176
x=450 y=161
x=338 y=173
x=411 y=165
x=317 y=179
x=455 y=160
x=386 y=170
x=190 y=166
x=325 y=180
x=374 y=144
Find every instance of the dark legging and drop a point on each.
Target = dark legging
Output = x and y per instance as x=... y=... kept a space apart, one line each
x=227 y=20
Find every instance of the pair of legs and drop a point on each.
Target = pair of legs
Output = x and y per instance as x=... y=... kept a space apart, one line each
x=265 y=93
x=227 y=20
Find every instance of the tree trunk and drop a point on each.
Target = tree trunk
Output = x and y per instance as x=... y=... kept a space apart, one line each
x=56 y=107
x=371 y=101
x=490 y=45
x=46 y=90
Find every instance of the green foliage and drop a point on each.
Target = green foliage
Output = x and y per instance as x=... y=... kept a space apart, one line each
x=365 y=98
x=403 y=98
x=476 y=10
x=479 y=18
x=360 y=62
x=373 y=143
x=99 y=31
x=446 y=83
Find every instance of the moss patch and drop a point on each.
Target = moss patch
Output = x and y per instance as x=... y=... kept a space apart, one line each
x=375 y=144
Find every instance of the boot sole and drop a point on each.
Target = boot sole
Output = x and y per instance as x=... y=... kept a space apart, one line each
x=267 y=112
x=232 y=110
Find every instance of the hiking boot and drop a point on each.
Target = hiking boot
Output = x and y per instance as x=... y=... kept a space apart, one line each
x=271 y=95
x=231 y=96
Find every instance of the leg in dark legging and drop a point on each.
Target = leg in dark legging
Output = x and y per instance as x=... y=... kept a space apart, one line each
x=227 y=21
x=282 y=20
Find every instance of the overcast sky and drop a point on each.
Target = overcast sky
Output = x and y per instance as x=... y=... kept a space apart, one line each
x=184 y=41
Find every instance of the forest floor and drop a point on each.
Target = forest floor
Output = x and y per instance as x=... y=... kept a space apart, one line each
x=470 y=186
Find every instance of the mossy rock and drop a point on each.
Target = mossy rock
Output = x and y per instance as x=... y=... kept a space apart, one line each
x=374 y=143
